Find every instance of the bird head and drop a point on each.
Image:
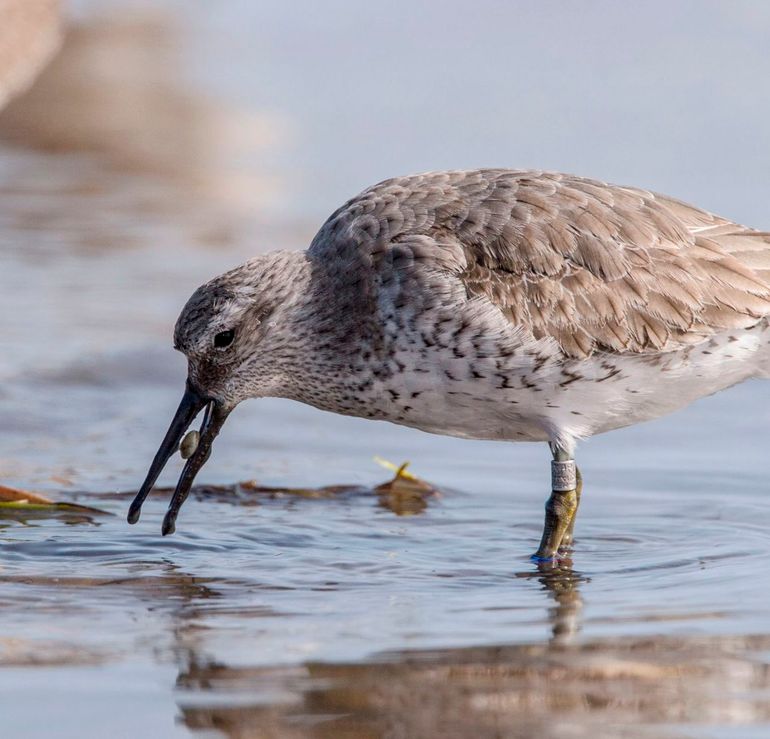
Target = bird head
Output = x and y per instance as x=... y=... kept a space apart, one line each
x=236 y=334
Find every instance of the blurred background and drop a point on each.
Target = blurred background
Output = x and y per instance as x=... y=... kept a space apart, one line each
x=166 y=142
x=147 y=146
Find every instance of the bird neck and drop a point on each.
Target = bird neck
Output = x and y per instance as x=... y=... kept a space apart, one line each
x=326 y=328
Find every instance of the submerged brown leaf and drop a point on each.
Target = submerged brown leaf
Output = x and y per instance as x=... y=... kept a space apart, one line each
x=405 y=494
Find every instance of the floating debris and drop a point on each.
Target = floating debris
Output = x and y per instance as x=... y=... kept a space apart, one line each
x=406 y=494
x=400 y=470
x=9 y=496
x=13 y=500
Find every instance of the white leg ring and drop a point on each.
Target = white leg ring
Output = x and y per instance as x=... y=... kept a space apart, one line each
x=563 y=475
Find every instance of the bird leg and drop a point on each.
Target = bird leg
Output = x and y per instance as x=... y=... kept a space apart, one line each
x=569 y=534
x=561 y=507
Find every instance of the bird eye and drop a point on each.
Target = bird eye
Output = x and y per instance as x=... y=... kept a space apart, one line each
x=224 y=338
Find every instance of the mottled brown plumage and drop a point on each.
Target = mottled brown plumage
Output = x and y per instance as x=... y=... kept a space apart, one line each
x=597 y=267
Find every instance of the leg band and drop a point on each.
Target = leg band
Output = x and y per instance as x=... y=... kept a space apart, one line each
x=563 y=475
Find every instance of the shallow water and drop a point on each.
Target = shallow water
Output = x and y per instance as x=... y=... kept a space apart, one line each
x=299 y=615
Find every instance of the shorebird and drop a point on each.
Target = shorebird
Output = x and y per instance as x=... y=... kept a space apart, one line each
x=485 y=304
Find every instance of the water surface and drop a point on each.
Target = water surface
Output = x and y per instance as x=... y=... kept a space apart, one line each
x=330 y=615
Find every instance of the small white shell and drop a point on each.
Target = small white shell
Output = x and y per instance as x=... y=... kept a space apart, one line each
x=189 y=444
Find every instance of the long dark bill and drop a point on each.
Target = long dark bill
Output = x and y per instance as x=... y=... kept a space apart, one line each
x=212 y=423
x=191 y=405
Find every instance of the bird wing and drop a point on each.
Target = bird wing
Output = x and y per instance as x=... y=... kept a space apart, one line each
x=596 y=267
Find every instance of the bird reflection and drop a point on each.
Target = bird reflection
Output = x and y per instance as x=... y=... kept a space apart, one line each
x=561 y=582
x=484 y=691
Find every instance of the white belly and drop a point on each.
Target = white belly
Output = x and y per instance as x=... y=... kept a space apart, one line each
x=568 y=401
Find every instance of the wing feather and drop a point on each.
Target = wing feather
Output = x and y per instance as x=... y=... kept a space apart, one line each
x=594 y=266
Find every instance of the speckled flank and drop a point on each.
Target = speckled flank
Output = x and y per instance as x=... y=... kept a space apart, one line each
x=493 y=304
